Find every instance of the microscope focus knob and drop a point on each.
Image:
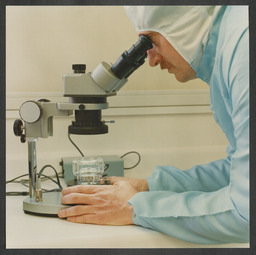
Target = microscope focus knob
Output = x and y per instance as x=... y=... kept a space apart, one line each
x=18 y=130
x=18 y=127
x=30 y=111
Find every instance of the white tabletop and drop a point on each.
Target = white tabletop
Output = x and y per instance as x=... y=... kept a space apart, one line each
x=29 y=231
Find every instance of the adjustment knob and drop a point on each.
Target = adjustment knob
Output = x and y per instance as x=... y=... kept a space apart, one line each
x=30 y=111
x=18 y=127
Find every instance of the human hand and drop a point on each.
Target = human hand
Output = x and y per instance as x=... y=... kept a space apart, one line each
x=138 y=184
x=99 y=204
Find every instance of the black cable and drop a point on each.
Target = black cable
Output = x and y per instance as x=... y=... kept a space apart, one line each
x=51 y=179
x=17 y=193
x=51 y=190
x=23 y=182
x=130 y=152
x=14 y=179
x=25 y=193
x=26 y=180
x=57 y=177
x=106 y=167
x=75 y=145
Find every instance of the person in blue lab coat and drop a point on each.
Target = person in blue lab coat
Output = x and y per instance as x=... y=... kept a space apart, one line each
x=208 y=203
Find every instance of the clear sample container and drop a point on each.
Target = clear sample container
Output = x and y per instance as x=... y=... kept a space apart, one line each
x=88 y=170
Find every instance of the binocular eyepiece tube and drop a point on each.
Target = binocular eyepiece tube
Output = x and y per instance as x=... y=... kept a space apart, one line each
x=130 y=60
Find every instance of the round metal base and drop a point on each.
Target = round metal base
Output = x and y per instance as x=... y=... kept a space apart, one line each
x=49 y=206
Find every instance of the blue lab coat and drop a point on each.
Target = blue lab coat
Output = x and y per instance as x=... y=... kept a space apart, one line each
x=209 y=203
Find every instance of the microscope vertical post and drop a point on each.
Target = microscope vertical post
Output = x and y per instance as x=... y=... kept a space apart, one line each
x=32 y=167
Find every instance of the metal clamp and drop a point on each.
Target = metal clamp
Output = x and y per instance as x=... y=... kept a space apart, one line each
x=81 y=106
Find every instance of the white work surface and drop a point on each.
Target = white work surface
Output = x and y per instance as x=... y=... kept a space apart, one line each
x=29 y=231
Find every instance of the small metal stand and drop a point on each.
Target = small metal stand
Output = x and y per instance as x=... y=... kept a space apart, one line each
x=47 y=204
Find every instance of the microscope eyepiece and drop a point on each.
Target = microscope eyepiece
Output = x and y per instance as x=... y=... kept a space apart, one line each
x=130 y=60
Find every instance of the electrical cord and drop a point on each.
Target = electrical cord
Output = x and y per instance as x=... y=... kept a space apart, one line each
x=75 y=145
x=25 y=181
x=17 y=193
x=106 y=167
x=16 y=178
x=56 y=174
x=131 y=152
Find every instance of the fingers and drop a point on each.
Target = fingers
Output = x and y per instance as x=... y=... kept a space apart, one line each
x=93 y=215
x=83 y=214
x=75 y=211
x=85 y=189
x=103 y=204
x=88 y=218
x=92 y=189
x=77 y=198
x=93 y=219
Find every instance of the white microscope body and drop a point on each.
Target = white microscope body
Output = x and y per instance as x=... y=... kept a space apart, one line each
x=87 y=94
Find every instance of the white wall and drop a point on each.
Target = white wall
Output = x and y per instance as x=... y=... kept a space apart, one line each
x=167 y=122
x=44 y=41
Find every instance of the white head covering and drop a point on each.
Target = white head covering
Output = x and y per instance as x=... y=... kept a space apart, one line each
x=185 y=27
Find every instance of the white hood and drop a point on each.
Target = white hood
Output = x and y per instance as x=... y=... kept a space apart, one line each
x=185 y=27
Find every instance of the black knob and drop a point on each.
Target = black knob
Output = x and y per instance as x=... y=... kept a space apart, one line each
x=79 y=68
x=23 y=138
x=18 y=127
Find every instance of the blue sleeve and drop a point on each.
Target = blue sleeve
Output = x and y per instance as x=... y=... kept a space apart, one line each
x=192 y=205
x=206 y=177
x=196 y=217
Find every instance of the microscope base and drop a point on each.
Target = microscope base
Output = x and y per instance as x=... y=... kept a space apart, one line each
x=50 y=205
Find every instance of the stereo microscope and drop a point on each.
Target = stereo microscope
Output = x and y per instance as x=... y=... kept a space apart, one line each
x=87 y=94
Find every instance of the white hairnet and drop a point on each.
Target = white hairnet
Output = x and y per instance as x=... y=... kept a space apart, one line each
x=185 y=27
